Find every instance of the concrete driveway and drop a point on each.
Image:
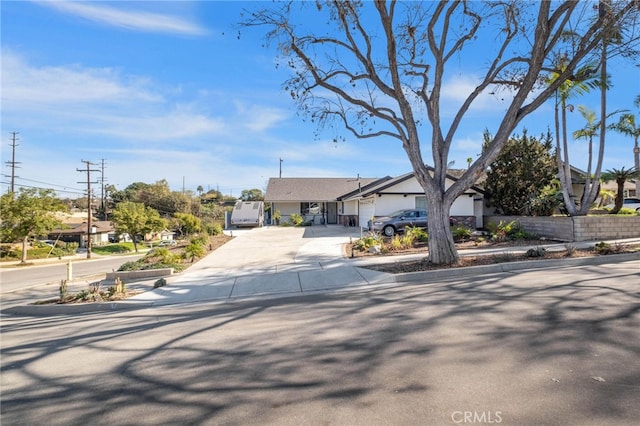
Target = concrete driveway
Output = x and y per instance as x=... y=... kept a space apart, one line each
x=269 y=261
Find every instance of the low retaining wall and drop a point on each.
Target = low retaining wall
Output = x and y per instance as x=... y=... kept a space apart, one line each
x=128 y=276
x=576 y=228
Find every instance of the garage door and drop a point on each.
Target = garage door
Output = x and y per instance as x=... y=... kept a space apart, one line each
x=366 y=209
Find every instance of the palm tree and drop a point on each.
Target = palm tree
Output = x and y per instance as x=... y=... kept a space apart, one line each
x=200 y=190
x=627 y=126
x=620 y=176
x=582 y=82
x=588 y=132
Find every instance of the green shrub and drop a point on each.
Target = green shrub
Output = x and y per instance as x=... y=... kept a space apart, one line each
x=628 y=212
x=606 y=248
x=396 y=243
x=603 y=248
x=277 y=216
x=199 y=239
x=82 y=295
x=8 y=252
x=368 y=241
x=461 y=233
x=417 y=233
x=407 y=240
x=161 y=256
x=194 y=250
x=501 y=230
x=520 y=234
x=132 y=266
x=216 y=229
x=536 y=252
x=295 y=219
x=512 y=230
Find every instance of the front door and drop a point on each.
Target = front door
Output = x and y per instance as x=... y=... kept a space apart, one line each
x=332 y=213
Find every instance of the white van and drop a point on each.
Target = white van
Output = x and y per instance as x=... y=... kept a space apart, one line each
x=248 y=213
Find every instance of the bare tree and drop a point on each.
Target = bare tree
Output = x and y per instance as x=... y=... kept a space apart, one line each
x=379 y=68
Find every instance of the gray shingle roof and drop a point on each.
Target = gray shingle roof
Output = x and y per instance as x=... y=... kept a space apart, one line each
x=312 y=189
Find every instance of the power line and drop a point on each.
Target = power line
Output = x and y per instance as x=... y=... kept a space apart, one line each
x=41 y=187
x=48 y=183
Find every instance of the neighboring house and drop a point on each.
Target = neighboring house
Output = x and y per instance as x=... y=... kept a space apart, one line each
x=578 y=182
x=100 y=232
x=353 y=201
x=167 y=235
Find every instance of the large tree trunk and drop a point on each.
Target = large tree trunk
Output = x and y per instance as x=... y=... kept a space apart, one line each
x=442 y=249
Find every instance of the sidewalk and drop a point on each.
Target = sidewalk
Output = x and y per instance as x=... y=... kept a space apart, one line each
x=275 y=262
x=320 y=266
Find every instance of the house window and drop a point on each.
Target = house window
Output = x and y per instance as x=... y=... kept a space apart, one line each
x=421 y=202
x=309 y=208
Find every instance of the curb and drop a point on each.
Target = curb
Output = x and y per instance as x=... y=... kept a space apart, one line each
x=72 y=308
x=437 y=274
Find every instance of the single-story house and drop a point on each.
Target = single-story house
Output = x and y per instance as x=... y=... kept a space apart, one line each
x=353 y=201
x=101 y=231
x=164 y=235
x=578 y=183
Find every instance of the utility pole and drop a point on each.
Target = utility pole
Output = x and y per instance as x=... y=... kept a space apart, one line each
x=281 y=160
x=88 y=170
x=13 y=163
x=103 y=204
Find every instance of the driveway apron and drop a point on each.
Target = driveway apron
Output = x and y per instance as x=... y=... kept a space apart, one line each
x=268 y=261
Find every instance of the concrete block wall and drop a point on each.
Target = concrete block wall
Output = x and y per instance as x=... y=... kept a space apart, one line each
x=578 y=228
x=590 y=228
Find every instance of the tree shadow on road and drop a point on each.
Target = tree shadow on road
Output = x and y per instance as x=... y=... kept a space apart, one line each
x=549 y=349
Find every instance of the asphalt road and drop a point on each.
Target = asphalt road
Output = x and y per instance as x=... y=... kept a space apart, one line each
x=537 y=347
x=26 y=284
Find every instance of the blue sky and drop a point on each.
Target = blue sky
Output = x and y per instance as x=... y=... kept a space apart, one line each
x=170 y=90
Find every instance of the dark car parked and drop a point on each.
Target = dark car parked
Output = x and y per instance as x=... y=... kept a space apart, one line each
x=397 y=221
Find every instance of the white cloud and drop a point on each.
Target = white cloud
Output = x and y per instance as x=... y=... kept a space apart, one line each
x=74 y=99
x=457 y=89
x=26 y=86
x=136 y=20
x=174 y=125
x=257 y=118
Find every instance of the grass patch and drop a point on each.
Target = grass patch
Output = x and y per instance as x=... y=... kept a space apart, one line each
x=118 y=248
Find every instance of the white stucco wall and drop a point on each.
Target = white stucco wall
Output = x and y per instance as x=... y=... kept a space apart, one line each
x=350 y=208
x=287 y=209
x=388 y=203
x=463 y=206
